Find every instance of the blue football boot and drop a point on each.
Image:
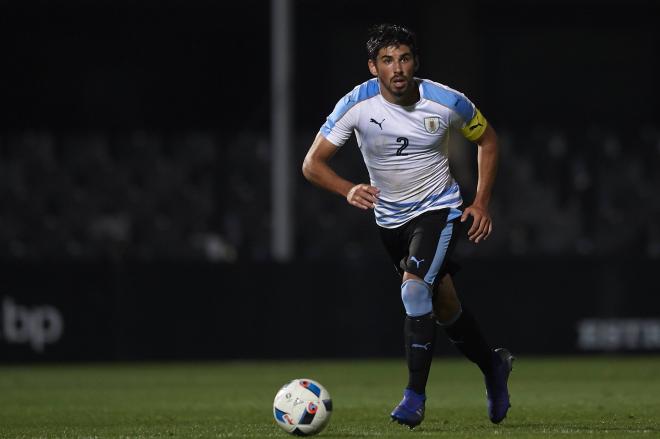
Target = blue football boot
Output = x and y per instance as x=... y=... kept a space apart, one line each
x=497 y=391
x=410 y=410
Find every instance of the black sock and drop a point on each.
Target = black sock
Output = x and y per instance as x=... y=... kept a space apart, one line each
x=464 y=333
x=419 y=335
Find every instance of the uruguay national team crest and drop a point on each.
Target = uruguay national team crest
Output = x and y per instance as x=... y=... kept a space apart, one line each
x=432 y=124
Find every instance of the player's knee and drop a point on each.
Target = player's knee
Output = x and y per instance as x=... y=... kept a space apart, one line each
x=446 y=306
x=416 y=297
x=448 y=314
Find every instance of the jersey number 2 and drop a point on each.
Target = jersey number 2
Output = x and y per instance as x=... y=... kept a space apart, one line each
x=404 y=145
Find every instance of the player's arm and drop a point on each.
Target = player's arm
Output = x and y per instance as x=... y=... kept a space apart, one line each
x=487 y=158
x=316 y=169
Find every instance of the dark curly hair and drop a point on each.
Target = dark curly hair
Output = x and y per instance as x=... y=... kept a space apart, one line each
x=386 y=35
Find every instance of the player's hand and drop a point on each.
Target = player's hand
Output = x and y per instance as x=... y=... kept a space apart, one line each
x=481 y=223
x=363 y=196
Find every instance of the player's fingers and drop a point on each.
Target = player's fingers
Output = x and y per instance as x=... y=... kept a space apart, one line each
x=474 y=227
x=465 y=215
x=369 y=197
x=489 y=230
x=363 y=202
x=483 y=231
x=353 y=200
x=373 y=190
x=477 y=228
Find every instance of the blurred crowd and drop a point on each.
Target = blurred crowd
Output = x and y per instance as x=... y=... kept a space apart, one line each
x=588 y=192
x=135 y=196
x=191 y=196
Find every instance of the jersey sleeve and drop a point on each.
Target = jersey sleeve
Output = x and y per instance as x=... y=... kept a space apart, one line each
x=468 y=119
x=463 y=115
x=340 y=124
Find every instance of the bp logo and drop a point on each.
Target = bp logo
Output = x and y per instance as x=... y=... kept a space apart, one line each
x=35 y=326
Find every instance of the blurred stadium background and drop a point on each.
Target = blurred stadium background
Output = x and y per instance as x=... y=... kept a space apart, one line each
x=136 y=166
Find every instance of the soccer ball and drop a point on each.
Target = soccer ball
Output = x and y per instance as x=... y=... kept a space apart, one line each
x=302 y=407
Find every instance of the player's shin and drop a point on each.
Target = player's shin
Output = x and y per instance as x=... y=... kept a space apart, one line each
x=464 y=333
x=419 y=335
x=419 y=331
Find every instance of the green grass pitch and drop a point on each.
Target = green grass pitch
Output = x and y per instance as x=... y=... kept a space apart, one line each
x=552 y=397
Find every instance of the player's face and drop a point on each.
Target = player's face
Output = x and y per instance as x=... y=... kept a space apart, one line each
x=395 y=68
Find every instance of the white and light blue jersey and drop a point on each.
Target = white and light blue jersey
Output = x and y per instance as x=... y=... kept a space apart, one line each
x=405 y=149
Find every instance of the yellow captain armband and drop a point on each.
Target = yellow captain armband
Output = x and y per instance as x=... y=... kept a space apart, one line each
x=476 y=127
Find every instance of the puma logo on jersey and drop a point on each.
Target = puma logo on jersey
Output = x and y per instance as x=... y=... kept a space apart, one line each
x=477 y=125
x=416 y=261
x=425 y=346
x=380 y=124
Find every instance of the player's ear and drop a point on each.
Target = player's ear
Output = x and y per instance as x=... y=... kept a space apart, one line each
x=372 y=67
x=416 y=63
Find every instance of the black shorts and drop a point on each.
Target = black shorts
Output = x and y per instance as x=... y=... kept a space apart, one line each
x=423 y=246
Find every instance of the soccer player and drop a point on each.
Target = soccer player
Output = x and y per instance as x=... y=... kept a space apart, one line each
x=403 y=125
